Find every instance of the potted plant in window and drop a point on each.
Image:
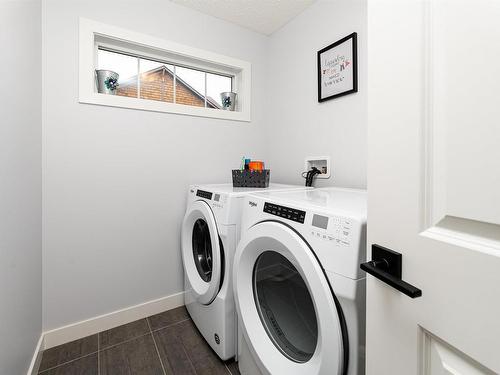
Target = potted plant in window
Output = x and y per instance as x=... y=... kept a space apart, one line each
x=107 y=81
x=228 y=100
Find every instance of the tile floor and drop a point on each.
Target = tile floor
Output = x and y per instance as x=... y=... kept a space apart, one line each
x=163 y=344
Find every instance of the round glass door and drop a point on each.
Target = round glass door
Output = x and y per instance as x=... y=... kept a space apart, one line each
x=202 y=249
x=287 y=311
x=285 y=306
x=202 y=256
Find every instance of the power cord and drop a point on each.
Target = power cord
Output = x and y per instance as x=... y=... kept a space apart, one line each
x=309 y=175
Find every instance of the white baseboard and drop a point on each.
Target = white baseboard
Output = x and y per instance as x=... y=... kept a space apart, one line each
x=114 y=319
x=37 y=357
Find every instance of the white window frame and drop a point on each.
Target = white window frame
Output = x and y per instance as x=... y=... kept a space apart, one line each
x=94 y=34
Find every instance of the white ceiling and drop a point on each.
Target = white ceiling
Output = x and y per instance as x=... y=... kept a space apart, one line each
x=263 y=16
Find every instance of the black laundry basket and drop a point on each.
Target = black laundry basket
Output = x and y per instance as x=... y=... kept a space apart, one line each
x=255 y=179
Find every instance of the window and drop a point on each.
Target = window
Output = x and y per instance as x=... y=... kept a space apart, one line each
x=159 y=75
x=158 y=80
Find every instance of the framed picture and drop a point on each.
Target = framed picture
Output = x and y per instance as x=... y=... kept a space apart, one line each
x=338 y=69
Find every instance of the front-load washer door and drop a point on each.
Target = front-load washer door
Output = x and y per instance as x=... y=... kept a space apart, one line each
x=288 y=312
x=201 y=252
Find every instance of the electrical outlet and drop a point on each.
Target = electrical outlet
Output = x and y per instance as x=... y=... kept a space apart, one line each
x=320 y=162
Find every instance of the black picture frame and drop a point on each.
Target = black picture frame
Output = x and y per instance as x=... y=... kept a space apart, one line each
x=354 y=37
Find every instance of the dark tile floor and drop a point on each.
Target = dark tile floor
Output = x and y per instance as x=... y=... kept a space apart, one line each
x=163 y=344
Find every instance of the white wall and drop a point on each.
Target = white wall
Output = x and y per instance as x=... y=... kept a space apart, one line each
x=297 y=125
x=115 y=180
x=20 y=184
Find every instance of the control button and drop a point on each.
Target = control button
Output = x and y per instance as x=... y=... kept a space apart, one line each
x=285 y=212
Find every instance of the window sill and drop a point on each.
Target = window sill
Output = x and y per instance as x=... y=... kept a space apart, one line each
x=157 y=106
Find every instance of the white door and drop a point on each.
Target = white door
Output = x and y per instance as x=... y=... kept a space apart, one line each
x=201 y=252
x=434 y=185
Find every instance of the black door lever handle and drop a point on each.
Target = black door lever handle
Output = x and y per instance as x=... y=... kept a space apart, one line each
x=386 y=266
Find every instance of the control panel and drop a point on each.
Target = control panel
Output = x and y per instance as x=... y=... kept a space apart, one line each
x=285 y=212
x=334 y=229
x=204 y=194
x=218 y=200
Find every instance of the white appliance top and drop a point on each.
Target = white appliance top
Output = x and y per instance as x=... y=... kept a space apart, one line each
x=342 y=201
x=241 y=191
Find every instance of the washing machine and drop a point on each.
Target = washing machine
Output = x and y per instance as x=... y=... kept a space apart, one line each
x=299 y=292
x=210 y=233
